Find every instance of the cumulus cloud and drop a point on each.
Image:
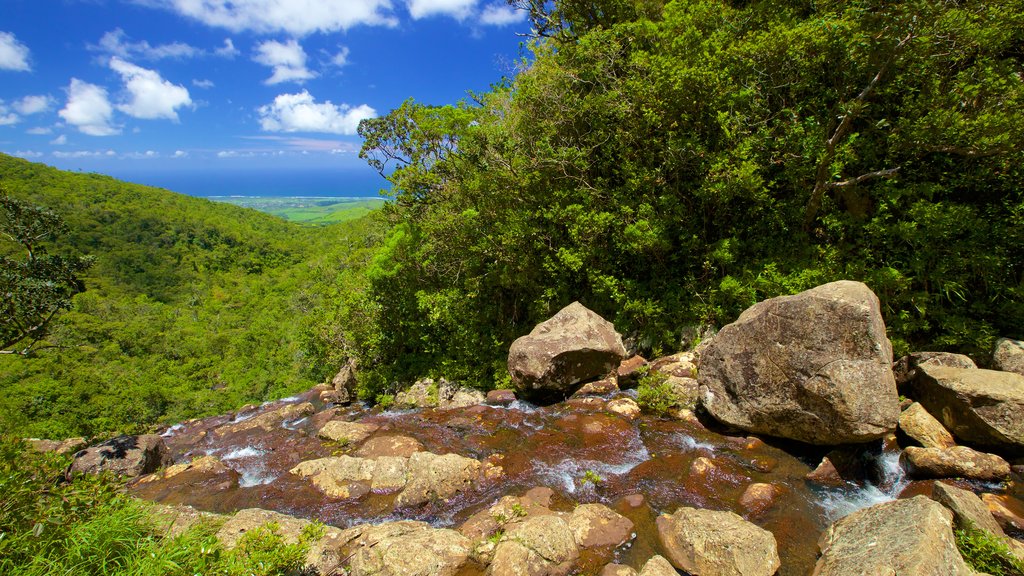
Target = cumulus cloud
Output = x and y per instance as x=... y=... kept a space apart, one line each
x=458 y=9
x=59 y=140
x=340 y=59
x=13 y=54
x=301 y=113
x=295 y=17
x=117 y=43
x=33 y=104
x=89 y=109
x=149 y=96
x=6 y=116
x=179 y=154
x=228 y=50
x=288 y=60
x=501 y=15
x=86 y=154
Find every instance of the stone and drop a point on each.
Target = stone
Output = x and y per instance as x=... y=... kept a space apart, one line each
x=68 y=446
x=406 y=548
x=601 y=387
x=629 y=371
x=573 y=346
x=626 y=407
x=540 y=546
x=681 y=365
x=1007 y=510
x=713 y=543
x=597 y=526
x=838 y=468
x=501 y=397
x=268 y=420
x=685 y=391
x=905 y=369
x=967 y=508
x=911 y=536
x=982 y=407
x=758 y=497
x=702 y=466
x=207 y=465
x=1008 y=356
x=346 y=432
x=658 y=566
x=955 y=462
x=922 y=427
x=433 y=477
x=390 y=445
x=814 y=367
x=129 y=456
x=428 y=393
x=620 y=570
x=322 y=557
x=346 y=381
x=172 y=521
x=338 y=477
x=390 y=474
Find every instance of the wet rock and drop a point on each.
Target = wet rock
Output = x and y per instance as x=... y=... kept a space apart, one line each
x=391 y=445
x=955 y=462
x=626 y=407
x=912 y=536
x=597 y=526
x=758 y=497
x=574 y=345
x=629 y=371
x=621 y=570
x=634 y=500
x=714 y=543
x=702 y=466
x=128 y=456
x=406 y=549
x=390 y=474
x=322 y=557
x=68 y=446
x=433 y=477
x=967 y=508
x=540 y=546
x=172 y=521
x=837 y=468
x=978 y=406
x=905 y=369
x=338 y=477
x=268 y=420
x=1007 y=510
x=1008 y=356
x=814 y=367
x=681 y=365
x=658 y=566
x=428 y=393
x=921 y=426
x=346 y=432
x=506 y=512
x=601 y=387
x=501 y=397
x=206 y=465
x=345 y=382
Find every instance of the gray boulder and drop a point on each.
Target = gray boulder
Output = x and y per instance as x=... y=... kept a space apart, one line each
x=714 y=543
x=814 y=367
x=982 y=407
x=574 y=346
x=905 y=369
x=128 y=456
x=1009 y=356
x=913 y=536
x=540 y=546
x=404 y=548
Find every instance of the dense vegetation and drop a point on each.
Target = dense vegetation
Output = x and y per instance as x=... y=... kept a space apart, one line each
x=191 y=307
x=670 y=163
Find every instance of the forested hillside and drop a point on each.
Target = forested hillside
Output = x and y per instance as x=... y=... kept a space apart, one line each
x=191 y=307
x=670 y=163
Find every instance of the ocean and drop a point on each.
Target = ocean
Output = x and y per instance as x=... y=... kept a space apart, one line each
x=265 y=183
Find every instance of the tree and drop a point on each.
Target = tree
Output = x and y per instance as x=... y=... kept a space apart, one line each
x=39 y=285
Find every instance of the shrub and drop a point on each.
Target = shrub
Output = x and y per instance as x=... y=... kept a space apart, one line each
x=655 y=394
x=987 y=553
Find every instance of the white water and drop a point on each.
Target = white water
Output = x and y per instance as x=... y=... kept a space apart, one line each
x=248 y=462
x=569 y=474
x=690 y=443
x=240 y=453
x=294 y=424
x=172 y=430
x=840 y=502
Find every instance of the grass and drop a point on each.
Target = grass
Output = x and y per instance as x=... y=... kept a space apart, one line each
x=312 y=211
x=987 y=553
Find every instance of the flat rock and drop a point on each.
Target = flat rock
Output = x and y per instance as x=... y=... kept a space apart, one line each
x=433 y=477
x=501 y=397
x=267 y=421
x=597 y=526
x=573 y=346
x=340 y=476
x=389 y=445
x=955 y=462
x=982 y=407
x=347 y=432
x=405 y=549
x=715 y=543
x=540 y=546
x=625 y=407
x=905 y=369
x=1008 y=356
x=921 y=426
x=967 y=508
x=67 y=446
x=128 y=456
x=814 y=367
x=912 y=536
x=658 y=566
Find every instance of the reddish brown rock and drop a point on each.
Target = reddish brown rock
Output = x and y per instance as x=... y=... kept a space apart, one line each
x=955 y=462
x=1007 y=510
x=597 y=526
x=390 y=445
x=758 y=497
x=600 y=387
x=921 y=426
x=629 y=371
x=501 y=397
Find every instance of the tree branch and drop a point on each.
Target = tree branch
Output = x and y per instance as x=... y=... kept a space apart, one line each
x=887 y=173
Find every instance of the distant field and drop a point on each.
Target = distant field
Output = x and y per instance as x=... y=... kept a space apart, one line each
x=315 y=211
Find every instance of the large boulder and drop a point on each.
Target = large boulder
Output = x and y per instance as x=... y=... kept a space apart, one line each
x=922 y=427
x=1009 y=356
x=715 y=543
x=540 y=546
x=955 y=462
x=573 y=346
x=267 y=421
x=913 y=536
x=128 y=456
x=322 y=556
x=596 y=526
x=905 y=369
x=404 y=548
x=982 y=407
x=345 y=382
x=967 y=508
x=814 y=367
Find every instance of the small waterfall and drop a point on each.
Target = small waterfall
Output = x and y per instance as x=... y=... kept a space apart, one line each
x=892 y=479
x=248 y=462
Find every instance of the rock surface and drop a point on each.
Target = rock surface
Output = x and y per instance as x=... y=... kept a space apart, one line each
x=428 y=393
x=345 y=382
x=921 y=426
x=501 y=397
x=346 y=432
x=596 y=525
x=67 y=446
x=322 y=557
x=390 y=445
x=171 y=521
x=913 y=536
x=983 y=407
x=1009 y=356
x=967 y=508
x=814 y=367
x=905 y=369
x=1007 y=510
x=267 y=421
x=404 y=548
x=658 y=566
x=714 y=543
x=128 y=456
x=955 y=462
x=433 y=477
x=573 y=346
x=540 y=546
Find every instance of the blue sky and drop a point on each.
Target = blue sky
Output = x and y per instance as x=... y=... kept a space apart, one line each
x=167 y=91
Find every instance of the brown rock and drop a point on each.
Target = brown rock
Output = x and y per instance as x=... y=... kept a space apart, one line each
x=681 y=365
x=433 y=477
x=338 y=477
x=814 y=367
x=912 y=536
x=713 y=543
x=955 y=462
x=68 y=446
x=625 y=407
x=619 y=570
x=128 y=456
x=405 y=549
x=634 y=500
x=268 y=420
x=322 y=556
x=600 y=387
x=967 y=508
x=391 y=445
x=629 y=371
x=1007 y=510
x=390 y=474
x=540 y=546
x=597 y=526
x=905 y=369
x=574 y=346
x=1008 y=356
x=658 y=566
x=501 y=397
x=702 y=466
x=758 y=497
x=917 y=423
x=346 y=432
x=346 y=381
x=207 y=465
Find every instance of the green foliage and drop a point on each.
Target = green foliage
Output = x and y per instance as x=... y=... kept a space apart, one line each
x=655 y=395
x=986 y=553
x=591 y=477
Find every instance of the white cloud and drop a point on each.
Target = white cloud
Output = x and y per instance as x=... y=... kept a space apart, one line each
x=501 y=15
x=7 y=119
x=59 y=140
x=287 y=60
x=458 y=9
x=205 y=84
x=88 y=109
x=228 y=50
x=150 y=96
x=13 y=54
x=39 y=131
x=341 y=58
x=33 y=104
x=117 y=43
x=27 y=154
x=86 y=154
x=179 y=154
x=296 y=17
x=300 y=113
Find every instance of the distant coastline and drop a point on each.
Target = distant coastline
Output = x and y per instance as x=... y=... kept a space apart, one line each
x=236 y=183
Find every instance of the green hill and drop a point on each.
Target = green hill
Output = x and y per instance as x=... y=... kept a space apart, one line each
x=193 y=307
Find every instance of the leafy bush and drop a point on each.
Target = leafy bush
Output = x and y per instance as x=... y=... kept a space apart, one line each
x=655 y=394
x=987 y=553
